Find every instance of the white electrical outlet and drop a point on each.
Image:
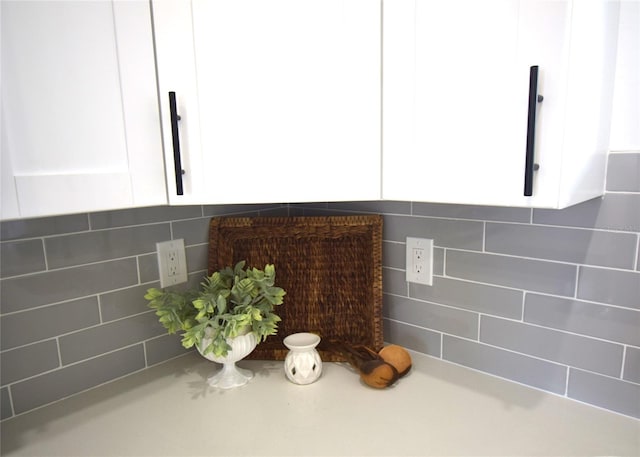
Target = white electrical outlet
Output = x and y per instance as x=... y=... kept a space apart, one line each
x=419 y=260
x=172 y=262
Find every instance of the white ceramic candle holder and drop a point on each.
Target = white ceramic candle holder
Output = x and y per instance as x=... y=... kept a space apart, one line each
x=303 y=364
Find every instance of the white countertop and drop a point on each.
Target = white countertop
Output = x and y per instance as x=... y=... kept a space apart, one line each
x=438 y=409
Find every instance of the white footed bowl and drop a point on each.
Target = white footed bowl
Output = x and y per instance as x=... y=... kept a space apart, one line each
x=230 y=375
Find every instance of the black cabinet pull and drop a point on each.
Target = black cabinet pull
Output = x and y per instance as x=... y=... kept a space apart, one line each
x=175 y=136
x=530 y=166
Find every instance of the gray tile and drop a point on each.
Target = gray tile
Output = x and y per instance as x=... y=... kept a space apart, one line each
x=521 y=368
x=394 y=282
x=21 y=257
x=164 y=348
x=197 y=258
x=142 y=216
x=310 y=205
x=445 y=232
x=474 y=297
x=411 y=337
x=393 y=255
x=25 y=292
x=28 y=361
x=5 y=404
x=632 y=365
x=148 y=265
x=535 y=275
x=194 y=231
x=614 y=287
x=107 y=337
x=484 y=213
x=73 y=379
x=438 y=261
x=380 y=207
x=591 y=319
x=296 y=211
x=43 y=226
x=47 y=322
x=609 y=393
x=612 y=212
x=431 y=316
x=279 y=211
x=609 y=249
x=623 y=172
x=234 y=210
x=124 y=302
x=556 y=346
x=81 y=248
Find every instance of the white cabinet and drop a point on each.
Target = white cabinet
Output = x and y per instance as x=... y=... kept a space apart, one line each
x=277 y=100
x=456 y=99
x=80 y=122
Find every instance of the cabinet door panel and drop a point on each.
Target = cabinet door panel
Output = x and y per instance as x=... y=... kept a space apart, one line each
x=465 y=102
x=287 y=100
x=66 y=68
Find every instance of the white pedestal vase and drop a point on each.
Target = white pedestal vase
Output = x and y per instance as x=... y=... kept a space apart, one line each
x=303 y=364
x=230 y=375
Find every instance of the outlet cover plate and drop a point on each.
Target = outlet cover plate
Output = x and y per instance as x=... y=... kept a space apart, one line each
x=172 y=262
x=419 y=260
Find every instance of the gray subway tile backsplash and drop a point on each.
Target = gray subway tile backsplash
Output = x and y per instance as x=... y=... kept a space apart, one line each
x=632 y=365
x=95 y=246
x=545 y=298
x=434 y=317
x=6 y=411
x=605 y=391
x=55 y=385
x=393 y=254
x=27 y=361
x=608 y=249
x=43 y=226
x=100 y=339
x=142 y=216
x=484 y=213
x=25 y=292
x=623 y=172
x=621 y=288
x=412 y=337
x=124 y=302
x=48 y=322
x=394 y=281
x=21 y=257
x=506 y=364
x=163 y=347
x=610 y=323
x=193 y=231
x=481 y=298
x=446 y=233
x=515 y=272
x=565 y=348
x=613 y=212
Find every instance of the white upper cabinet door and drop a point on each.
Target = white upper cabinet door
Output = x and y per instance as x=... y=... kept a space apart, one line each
x=275 y=100
x=80 y=118
x=459 y=100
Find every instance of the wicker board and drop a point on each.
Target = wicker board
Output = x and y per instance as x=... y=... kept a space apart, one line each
x=330 y=267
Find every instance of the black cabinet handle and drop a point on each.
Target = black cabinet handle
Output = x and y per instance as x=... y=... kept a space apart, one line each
x=177 y=161
x=530 y=166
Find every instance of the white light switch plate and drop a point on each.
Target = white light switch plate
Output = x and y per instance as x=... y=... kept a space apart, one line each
x=419 y=261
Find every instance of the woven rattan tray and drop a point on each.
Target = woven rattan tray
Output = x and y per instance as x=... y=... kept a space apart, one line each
x=330 y=267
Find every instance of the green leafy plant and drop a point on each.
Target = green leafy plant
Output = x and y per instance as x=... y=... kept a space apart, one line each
x=230 y=302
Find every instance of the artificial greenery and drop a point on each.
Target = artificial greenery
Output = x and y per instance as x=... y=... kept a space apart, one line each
x=230 y=302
